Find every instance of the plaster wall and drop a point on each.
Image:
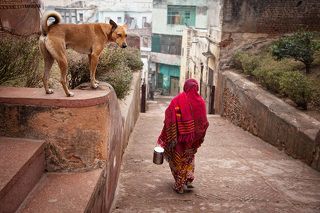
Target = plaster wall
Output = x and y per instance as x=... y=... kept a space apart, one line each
x=21 y=17
x=160 y=26
x=270 y=118
x=270 y=16
x=104 y=16
x=86 y=132
x=165 y=59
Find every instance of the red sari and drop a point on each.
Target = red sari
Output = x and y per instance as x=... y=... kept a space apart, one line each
x=183 y=132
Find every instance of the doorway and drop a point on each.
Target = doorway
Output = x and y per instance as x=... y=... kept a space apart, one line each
x=174 y=86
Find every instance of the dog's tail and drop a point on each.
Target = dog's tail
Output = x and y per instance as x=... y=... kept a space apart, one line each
x=44 y=21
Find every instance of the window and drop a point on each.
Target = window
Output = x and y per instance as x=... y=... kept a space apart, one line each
x=181 y=15
x=167 y=44
x=144 y=20
x=145 y=42
x=81 y=17
x=119 y=20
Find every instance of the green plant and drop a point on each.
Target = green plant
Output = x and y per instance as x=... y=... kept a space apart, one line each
x=115 y=67
x=133 y=57
x=78 y=72
x=315 y=95
x=269 y=78
x=246 y=62
x=120 y=79
x=19 y=61
x=300 y=46
x=297 y=87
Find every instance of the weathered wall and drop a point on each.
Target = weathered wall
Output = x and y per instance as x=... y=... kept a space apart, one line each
x=78 y=130
x=84 y=132
x=195 y=45
x=130 y=108
x=237 y=42
x=269 y=118
x=270 y=16
x=20 y=16
x=247 y=24
x=133 y=40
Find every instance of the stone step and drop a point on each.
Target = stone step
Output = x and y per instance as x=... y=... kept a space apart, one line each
x=66 y=192
x=22 y=163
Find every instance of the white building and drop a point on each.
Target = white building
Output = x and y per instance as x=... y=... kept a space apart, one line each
x=170 y=18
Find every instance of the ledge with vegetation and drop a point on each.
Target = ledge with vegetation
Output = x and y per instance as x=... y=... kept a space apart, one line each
x=288 y=68
x=21 y=65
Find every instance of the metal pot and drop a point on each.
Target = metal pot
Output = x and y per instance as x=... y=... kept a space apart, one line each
x=158 y=155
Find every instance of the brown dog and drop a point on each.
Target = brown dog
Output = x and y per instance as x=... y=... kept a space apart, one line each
x=87 y=39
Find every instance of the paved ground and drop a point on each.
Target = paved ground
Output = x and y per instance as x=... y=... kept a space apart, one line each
x=235 y=172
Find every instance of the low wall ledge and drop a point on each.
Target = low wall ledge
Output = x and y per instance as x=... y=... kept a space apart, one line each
x=297 y=119
x=36 y=97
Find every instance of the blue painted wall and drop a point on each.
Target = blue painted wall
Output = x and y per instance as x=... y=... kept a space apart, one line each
x=167 y=71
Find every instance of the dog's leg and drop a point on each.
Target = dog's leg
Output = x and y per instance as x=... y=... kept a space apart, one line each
x=48 y=62
x=95 y=80
x=63 y=65
x=47 y=68
x=93 y=67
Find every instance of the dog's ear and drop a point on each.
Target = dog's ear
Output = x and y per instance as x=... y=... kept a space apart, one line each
x=125 y=26
x=113 y=24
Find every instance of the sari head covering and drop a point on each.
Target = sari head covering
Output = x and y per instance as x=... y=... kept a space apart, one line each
x=185 y=118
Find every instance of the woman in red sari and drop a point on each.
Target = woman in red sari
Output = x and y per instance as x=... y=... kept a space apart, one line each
x=183 y=132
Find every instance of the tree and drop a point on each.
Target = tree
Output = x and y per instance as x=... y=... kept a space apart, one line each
x=300 y=46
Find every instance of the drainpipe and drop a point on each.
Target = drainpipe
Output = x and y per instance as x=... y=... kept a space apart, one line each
x=201 y=72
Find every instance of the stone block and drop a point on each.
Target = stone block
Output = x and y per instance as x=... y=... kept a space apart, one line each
x=77 y=130
x=22 y=164
x=270 y=118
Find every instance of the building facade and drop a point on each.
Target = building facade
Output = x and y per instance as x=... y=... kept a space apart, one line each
x=170 y=18
x=195 y=57
x=234 y=25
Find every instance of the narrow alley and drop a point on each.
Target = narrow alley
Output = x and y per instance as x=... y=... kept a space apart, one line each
x=234 y=172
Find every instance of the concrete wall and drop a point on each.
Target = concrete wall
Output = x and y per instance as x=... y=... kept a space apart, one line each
x=20 y=17
x=78 y=130
x=270 y=16
x=165 y=59
x=194 y=44
x=86 y=132
x=268 y=117
x=130 y=108
x=104 y=16
x=242 y=24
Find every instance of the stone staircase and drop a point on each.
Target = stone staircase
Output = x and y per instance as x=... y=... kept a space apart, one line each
x=75 y=163
x=26 y=187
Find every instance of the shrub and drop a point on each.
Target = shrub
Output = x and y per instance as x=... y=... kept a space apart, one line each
x=297 y=87
x=115 y=67
x=19 y=61
x=248 y=63
x=133 y=57
x=78 y=72
x=120 y=79
x=300 y=46
x=315 y=95
x=269 y=78
x=113 y=56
